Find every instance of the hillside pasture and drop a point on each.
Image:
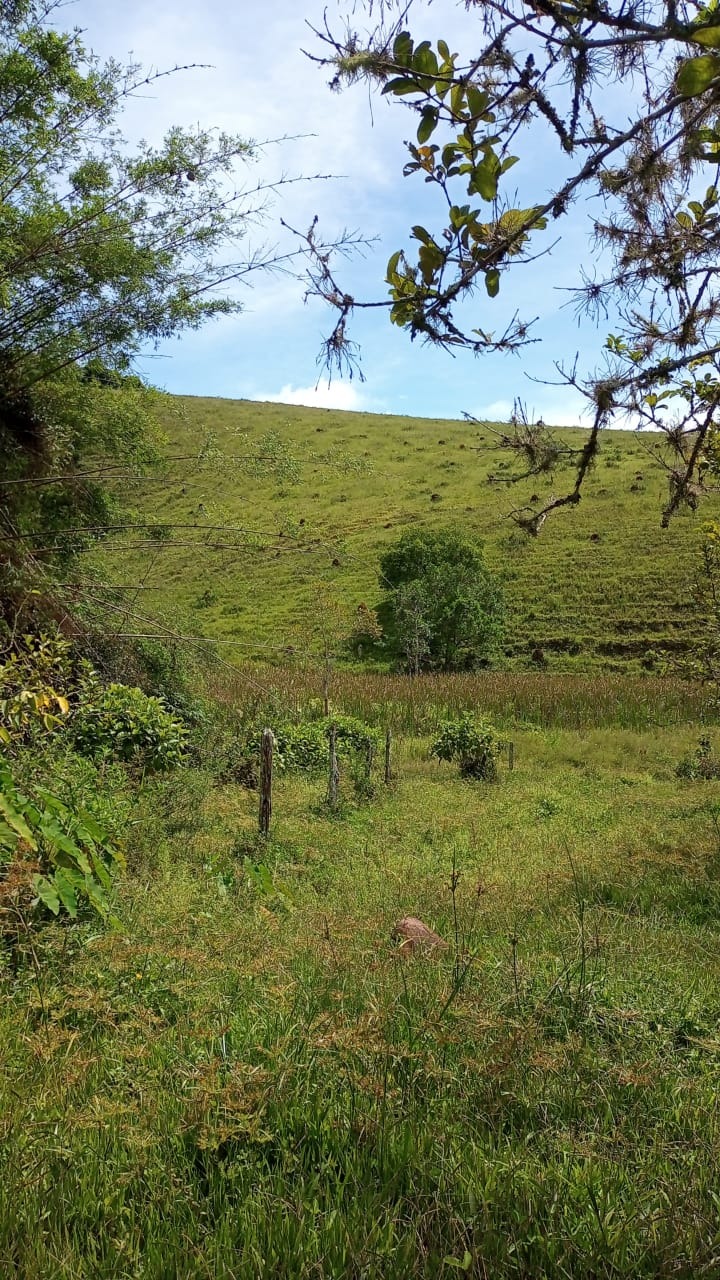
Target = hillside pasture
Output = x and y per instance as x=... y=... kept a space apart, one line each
x=238 y=552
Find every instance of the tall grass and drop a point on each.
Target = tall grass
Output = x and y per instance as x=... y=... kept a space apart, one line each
x=417 y=705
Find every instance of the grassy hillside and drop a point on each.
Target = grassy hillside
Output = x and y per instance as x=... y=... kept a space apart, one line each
x=602 y=585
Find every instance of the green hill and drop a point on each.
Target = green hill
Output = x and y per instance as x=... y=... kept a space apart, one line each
x=248 y=550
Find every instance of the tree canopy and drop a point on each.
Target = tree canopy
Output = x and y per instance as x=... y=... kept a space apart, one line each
x=442 y=608
x=104 y=250
x=630 y=94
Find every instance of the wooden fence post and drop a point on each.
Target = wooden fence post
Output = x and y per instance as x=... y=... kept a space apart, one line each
x=266 y=771
x=334 y=773
x=388 y=748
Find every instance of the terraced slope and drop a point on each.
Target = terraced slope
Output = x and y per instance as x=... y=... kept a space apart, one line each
x=602 y=585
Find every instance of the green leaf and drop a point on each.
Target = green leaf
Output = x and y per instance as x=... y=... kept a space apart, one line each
x=485 y=178
x=96 y=897
x=431 y=259
x=16 y=821
x=477 y=100
x=457 y=100
x=421 y=234
x=66 y=891
x=697 y=74
x=428 y=122
x=54 y=836
x=424 y=60
x=684 y=220
x=709 y=37
x=46 y=893
x=392 y=267
x=403 y=48
x=400 y=86
x=443 y=50
x=492 y=282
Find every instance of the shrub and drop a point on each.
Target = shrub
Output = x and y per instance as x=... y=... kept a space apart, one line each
x=37 y=681
x=121 y=723
x=702 y=764
x=473 y=743
x=51 y=853
x=303 y=747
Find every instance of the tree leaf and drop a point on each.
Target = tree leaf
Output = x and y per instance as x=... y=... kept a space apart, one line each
x=401 y=85
x=477 y=100
x=66 y=891
x=392 y=267
x=424 y=60
x=709 y=37
x=403 y=48
x=485 y=178
x=428 y=122
x=492 y=282
x=695 y=75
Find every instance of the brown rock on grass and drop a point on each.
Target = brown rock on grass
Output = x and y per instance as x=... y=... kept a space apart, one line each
x=413 y=935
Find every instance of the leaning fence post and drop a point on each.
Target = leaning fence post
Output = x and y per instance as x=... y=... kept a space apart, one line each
x=266 y=770
x=388 y=748
x=334 y=772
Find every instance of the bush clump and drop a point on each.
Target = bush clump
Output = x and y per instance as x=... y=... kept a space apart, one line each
x=473 y=743
x=702 y=764
x=303 y=747
x=123 y=723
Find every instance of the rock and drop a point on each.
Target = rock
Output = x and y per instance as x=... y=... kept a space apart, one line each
x=413 y=935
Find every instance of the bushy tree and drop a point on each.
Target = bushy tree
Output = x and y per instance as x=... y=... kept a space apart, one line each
x=442 y=608
x=104 y=250
x=645 y=160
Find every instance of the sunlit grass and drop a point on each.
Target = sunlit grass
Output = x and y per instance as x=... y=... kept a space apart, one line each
x=603 y=586
x=250 y=1084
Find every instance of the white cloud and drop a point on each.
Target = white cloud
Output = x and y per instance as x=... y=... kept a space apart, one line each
x=554 y=415
x=339 y=395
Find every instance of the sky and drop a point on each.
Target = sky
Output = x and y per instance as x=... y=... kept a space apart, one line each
x=259 y=83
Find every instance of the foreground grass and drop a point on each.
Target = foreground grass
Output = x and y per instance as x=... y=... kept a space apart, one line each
x=246 y=1081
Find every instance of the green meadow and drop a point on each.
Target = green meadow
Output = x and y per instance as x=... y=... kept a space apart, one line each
x=242 y=1076
x=242 y=554
x=245 y=1079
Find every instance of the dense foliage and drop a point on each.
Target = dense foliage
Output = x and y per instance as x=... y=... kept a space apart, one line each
x=442 y=608
x=121 y=723
x=103 y=251
x=303 y=746
x=473 y=743
x=52 y=854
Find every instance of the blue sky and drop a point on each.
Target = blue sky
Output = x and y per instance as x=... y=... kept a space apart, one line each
x=261 y=85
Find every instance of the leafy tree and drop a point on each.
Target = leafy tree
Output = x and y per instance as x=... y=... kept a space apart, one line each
x=442 y=608
x=104 y=250
x=647 y=158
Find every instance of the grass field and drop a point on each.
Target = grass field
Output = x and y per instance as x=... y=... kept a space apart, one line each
x=246 y=1080
x=601 y=587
